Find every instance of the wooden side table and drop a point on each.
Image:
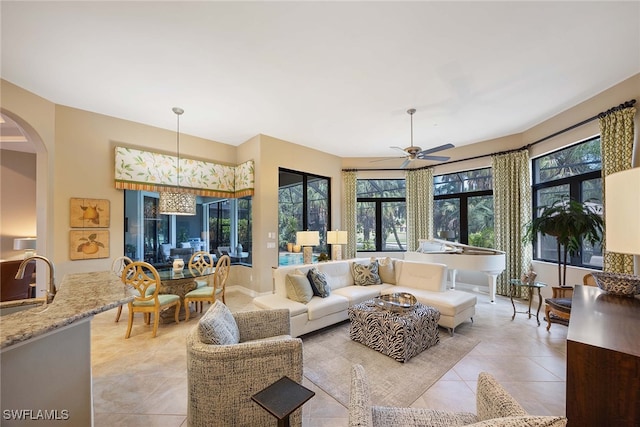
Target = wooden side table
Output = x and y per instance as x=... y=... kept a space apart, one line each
x=530 y=287
x=283 y=397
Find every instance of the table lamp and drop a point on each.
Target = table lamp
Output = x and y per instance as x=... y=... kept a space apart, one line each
x=336 y=239
x=622 y=213
x=307 y=239
x=26 y=244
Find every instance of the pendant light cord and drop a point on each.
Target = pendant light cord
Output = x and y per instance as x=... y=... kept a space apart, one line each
x=178 y=112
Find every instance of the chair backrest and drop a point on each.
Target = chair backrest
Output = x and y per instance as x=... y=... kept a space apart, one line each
x=222 y=272
x=12 y=288
x=223 y=250
x=200 y=261
x=141 y=276
x=589 y=280
x=119 y=264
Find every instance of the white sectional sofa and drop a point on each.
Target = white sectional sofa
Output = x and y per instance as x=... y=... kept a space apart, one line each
x=427 y=281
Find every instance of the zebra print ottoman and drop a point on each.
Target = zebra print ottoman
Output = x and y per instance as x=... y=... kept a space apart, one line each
x=399 y=335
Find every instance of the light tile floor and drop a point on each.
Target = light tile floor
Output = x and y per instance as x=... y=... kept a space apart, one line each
x=142 y=381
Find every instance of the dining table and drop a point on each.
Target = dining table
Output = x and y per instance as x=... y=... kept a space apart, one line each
x=179 y=283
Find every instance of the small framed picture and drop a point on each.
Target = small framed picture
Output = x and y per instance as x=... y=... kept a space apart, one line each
x=89 y=213
x=88 y=244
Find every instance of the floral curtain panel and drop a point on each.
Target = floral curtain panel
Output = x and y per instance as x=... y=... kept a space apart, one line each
x=616 y=139
x=350 y=181
x=512 y=212
x=146 y=170
x=419 y=187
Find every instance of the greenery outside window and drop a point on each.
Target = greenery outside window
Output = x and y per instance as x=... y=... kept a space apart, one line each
x=381 y=215
x=573 y=172
x=304 y=204
x=463 y=207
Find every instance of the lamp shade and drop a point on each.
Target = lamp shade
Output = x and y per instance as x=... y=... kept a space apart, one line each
x=308 y=238
x=622 y=212
x=24 y=243
x=172 y=203
x=337 y=237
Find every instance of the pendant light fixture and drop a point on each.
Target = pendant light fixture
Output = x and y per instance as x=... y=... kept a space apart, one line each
x=177 y=202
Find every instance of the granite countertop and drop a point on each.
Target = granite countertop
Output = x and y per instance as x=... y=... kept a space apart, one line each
x=79 y=296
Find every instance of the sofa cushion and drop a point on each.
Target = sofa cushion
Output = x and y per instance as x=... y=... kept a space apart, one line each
x=318 y=308
x=358 y=294
x=365 y=274
x=387 y=270
x=319 y=283
x=448 y=303
x=338 y=273
x=218 y=326
x=523 y=421
x=298 y=288
x=422 y=275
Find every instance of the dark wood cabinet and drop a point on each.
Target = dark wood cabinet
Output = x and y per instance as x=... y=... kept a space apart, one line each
x=603 y=359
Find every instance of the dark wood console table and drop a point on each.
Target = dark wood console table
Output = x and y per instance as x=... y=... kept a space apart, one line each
x=603 y=359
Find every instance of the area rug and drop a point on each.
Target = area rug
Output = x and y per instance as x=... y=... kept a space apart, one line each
x=329 y=354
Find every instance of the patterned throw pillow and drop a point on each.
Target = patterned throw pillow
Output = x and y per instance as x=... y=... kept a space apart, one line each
x=319 y=282
x=218 y=326
x=386 y=270
x=298 y=288
x=365 y=275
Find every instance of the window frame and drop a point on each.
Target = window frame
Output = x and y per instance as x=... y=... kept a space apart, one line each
x=379 y=202
x=575 y=183
x=463 y=198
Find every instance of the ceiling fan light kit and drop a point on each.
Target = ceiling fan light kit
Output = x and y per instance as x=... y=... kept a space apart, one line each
x=413 y=152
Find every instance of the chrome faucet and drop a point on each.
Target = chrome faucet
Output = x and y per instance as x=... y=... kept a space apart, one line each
x=51 y=286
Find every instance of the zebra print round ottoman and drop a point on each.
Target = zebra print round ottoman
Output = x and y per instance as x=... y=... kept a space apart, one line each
x=399 y=335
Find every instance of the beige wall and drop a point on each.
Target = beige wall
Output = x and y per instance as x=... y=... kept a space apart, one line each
x=76 y=159
x=18 y=204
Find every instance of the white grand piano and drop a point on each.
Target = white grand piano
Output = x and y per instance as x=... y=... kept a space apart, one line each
x=458 y=256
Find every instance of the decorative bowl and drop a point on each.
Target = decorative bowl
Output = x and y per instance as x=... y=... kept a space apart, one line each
x=617 y=284
x=400 y=301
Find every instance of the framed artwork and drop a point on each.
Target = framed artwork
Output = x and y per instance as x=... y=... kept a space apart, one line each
x=88 y=244
x=89 y=213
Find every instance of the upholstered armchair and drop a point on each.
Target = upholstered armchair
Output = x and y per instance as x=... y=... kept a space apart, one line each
x=557 y=309
x=494 y=407
x=230 y=357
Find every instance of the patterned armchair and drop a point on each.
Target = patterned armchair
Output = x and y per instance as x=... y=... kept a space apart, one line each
x=230 y=357
x=495 y=407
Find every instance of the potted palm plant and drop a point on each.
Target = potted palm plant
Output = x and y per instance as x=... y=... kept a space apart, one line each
x=569 y=222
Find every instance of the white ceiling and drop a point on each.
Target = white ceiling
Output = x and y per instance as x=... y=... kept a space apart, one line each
x=336 y=76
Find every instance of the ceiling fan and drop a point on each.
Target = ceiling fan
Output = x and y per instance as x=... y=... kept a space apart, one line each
x=414 y=152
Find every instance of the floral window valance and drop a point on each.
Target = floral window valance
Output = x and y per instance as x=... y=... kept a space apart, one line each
x=145 y=170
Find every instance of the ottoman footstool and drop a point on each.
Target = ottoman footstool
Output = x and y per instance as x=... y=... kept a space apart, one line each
x=399 y=335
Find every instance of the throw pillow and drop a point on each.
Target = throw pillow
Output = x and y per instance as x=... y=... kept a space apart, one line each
x=365 y=275
x=298 y=288
x=386 y=270
x=218 y=326
x=319 y=282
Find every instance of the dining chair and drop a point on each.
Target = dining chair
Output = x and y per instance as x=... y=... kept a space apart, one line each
x=200 y=262
x=142 y=276
x=210 y=293
x=117 y=266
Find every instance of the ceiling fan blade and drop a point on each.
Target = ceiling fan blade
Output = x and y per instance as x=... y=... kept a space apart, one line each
x=400 y=149
x=434 y=158
x=406 y=163
x=436 y=149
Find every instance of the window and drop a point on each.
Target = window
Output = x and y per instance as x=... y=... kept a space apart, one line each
x=158 y=239
x=573 y=172
x=381 y=215
x=304 y=204
x=463 y=207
